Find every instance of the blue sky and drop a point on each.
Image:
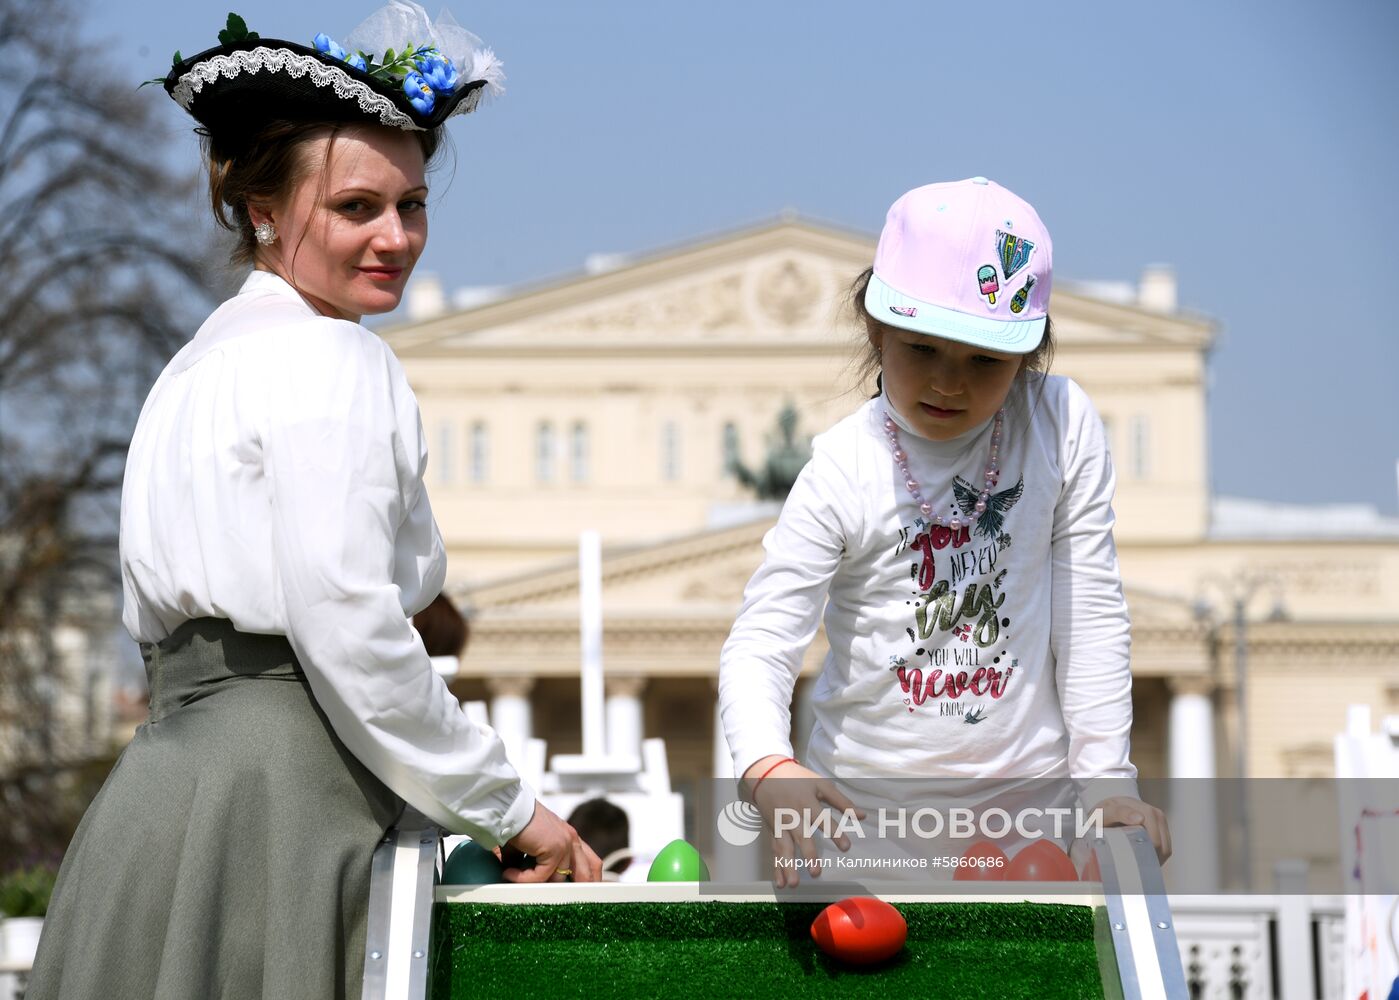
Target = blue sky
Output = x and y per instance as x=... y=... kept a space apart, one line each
x=1251 y=145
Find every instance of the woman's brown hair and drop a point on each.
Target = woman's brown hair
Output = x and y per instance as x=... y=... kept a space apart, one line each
x=264 y=169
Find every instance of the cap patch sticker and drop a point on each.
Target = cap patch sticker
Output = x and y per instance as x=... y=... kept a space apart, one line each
x=909 y=311
x=986 y=275
x=1018 y=300
x=1014 y=252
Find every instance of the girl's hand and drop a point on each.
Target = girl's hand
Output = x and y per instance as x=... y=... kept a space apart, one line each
x=801 y=792
x=1122 y=810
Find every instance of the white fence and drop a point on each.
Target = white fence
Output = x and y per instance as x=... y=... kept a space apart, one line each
x=1290 y=947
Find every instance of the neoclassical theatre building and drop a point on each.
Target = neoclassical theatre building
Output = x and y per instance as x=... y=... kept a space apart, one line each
x=615 y=400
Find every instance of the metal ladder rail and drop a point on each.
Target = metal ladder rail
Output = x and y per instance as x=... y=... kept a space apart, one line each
x=398 y=934
x=1139 y=932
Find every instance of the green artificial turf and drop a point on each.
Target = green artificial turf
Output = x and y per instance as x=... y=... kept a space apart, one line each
x=756 y=950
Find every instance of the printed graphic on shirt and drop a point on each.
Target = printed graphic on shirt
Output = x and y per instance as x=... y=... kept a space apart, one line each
x=959 y=658
x=997 y=504
x=946 y=687
x=925 y=539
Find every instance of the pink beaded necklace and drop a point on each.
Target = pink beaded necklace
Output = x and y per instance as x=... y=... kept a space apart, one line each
x=991 y=476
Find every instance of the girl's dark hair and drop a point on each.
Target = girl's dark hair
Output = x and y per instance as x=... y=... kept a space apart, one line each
x=265 y=167
x=443 y=629
x=1035 y=366
x=604 y=827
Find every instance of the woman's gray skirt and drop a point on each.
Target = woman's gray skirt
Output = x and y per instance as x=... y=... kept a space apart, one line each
x=228 y=853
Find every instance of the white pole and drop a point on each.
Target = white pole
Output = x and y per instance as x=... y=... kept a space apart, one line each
x=590 y=633
x=624 y=722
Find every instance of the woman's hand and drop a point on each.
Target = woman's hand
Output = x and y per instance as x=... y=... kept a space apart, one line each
x=774 y=783
x=1122 y=810
x=557 y=850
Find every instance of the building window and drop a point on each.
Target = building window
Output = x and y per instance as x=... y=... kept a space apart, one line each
x=480 y=453
x=1141 y=447
x=670 y=451
x=544 y=452
x=578 y=453
x=730 y=447
x=446 y=444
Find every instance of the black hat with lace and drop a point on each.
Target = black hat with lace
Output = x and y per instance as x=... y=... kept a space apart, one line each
x=398 y=68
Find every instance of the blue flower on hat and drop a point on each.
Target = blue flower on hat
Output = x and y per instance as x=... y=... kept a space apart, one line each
x=324 y=43
x=437 y=70
x=356 y=60
x=420 y=95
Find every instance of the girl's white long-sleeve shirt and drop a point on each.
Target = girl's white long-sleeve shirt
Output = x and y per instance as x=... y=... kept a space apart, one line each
x=275 y=479
x=995 y=652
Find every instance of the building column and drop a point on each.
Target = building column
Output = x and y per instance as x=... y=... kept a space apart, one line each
x=624 y=715
x=1190 y=737
x=73 y=713
x=1195 y=829
x=511 y=714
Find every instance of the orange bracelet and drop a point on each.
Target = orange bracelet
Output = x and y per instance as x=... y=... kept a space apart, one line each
x=785 y=760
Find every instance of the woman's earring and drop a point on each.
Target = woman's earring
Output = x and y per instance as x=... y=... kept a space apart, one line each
x=265 y=233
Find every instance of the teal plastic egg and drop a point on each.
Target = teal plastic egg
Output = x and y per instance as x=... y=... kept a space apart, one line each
x=472 y=864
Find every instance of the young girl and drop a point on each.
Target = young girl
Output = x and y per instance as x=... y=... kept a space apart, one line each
x=958 y=530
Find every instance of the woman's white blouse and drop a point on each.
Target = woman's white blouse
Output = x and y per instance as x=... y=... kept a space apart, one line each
x=275 y=479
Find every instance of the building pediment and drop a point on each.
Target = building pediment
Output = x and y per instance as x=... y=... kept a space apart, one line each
x=778 y=284
x=704 y=570
x=783 y=285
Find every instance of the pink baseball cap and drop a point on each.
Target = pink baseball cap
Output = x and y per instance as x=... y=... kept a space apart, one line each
x=966 y=260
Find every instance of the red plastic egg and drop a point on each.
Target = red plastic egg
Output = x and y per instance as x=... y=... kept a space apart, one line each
x=982 y=862
x=1091 y=871
x=1042 y=861
x=860 y=930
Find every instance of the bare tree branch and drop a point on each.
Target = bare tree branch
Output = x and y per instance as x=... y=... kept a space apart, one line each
x=105 y=278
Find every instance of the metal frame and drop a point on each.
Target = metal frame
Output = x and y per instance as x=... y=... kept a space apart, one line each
x=1138 y=927
x=398 y=934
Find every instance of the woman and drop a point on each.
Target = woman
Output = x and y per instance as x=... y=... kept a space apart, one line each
x=275 y=539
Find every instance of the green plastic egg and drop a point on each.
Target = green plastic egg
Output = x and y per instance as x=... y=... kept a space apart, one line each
x=678 y=862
